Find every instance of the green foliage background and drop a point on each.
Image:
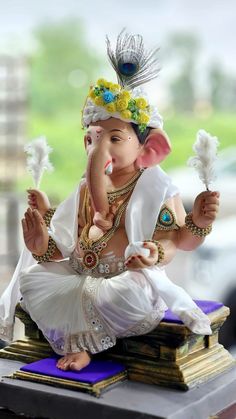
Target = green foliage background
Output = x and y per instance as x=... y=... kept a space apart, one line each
x=63 y=53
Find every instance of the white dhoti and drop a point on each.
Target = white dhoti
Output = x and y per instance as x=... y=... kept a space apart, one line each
x=79 y=312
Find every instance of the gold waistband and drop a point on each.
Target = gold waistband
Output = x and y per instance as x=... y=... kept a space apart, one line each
x=106 y=268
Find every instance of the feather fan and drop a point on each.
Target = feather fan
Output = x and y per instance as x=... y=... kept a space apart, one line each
x=205 y=148
x=38 y=159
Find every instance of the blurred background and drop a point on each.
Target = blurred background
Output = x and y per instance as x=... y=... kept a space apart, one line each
x=50 y=53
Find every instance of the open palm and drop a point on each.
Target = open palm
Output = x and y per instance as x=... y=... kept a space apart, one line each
x=35 y=232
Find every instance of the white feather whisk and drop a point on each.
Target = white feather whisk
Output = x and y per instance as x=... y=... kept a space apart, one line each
x=38 y=159
x=205 y=148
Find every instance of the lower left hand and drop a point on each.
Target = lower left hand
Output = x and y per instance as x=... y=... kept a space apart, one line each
x=205 y=208
x=138 y=261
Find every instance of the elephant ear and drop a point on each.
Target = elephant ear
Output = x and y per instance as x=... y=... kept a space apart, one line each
x=156 y=148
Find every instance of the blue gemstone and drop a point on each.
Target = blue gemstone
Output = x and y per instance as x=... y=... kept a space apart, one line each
x=127 y=69
x=166 y=217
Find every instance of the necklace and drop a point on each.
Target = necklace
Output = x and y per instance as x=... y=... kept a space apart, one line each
x=93 y=248
x=111 y=196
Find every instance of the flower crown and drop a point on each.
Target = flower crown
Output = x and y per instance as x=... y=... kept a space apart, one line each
x=117 y=100
x=127 y=101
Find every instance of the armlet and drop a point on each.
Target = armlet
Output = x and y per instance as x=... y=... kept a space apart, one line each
x=166 y=219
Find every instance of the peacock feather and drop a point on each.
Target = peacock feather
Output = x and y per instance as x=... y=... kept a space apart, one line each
x=132 y=63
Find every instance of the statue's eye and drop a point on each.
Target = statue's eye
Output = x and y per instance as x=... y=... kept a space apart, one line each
x=89 y=140
x=115 y=139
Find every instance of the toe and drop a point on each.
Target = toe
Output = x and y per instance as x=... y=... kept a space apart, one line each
x=62 y=362
x=74 y=362
x=65 y=366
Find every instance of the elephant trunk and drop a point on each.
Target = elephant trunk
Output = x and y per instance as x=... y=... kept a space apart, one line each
x=99 y=166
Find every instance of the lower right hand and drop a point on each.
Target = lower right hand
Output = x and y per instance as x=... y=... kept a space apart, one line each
x=138 y=261
x=35 y=232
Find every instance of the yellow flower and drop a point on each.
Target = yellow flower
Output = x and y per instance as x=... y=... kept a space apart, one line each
x=107 y=84
x=114 y=87
x=111 y=107
x=126 y=114
x=92 y=94
x=99 y=101
x=143 y=118
x=125 y=95
x=101 y=82
x=121 y=104
x=141 y=103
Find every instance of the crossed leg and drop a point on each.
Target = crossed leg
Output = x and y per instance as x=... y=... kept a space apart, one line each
x=74 y=361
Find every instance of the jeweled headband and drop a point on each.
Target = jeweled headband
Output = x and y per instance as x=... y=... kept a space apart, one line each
x=126 y=101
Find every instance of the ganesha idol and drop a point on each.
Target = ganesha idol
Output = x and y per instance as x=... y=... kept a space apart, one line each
x=94 y=270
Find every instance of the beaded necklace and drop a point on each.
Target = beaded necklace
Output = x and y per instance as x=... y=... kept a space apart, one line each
x=92 y=248
x=124 y=189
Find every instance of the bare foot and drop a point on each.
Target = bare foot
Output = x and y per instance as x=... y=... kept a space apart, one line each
x=74 y=362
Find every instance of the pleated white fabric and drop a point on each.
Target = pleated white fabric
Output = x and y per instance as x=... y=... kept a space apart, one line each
x=77 y=312
x=11 y=296
x=80 y=312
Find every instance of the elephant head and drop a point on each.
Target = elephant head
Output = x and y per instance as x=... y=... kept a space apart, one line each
x=114 y=150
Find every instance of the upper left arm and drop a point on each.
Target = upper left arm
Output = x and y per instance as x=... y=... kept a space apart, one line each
x=174 y=209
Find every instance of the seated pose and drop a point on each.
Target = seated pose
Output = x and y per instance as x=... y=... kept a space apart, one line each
x=101 y=257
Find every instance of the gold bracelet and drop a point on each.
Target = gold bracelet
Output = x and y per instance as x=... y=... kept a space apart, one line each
x=48 y=216
x=161 y=252
x=50 y=251
x=195 y=230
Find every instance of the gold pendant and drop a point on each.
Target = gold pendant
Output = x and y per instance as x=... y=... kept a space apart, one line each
x=90 y=259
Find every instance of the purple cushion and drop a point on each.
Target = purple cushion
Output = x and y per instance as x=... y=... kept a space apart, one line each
x=96 y=371
x=206 y=306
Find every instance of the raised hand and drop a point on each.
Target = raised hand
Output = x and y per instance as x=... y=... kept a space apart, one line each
x=35 y=232
x=139 y=261
x=38 y=200
x=205 y=208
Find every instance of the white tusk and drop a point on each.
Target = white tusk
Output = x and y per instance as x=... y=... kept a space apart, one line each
x=108 y=168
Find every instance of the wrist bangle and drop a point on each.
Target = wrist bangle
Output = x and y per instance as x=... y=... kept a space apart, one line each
x=161 y=252
x=48 y=216
x=50 y=251
x=195 y=230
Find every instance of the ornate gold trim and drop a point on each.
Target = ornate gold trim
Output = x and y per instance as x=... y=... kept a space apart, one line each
x=94 y=389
